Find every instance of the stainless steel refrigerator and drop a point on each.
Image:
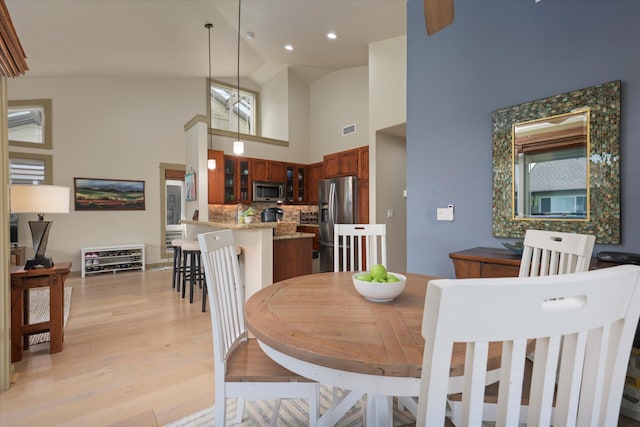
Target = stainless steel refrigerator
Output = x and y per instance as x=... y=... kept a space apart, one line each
x=337 y=204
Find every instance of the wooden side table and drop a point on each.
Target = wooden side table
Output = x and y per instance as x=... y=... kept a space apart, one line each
x=21 y=282
x=495 y=262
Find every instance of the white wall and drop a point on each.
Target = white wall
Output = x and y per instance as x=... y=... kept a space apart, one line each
x=392 y=180
x=387 y=155
x=388 y=83
x=299 y=117
x=274 y=107
x=118 y=128
x=337 y=100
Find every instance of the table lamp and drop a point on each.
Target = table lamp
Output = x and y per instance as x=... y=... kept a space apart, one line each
x=39 y=199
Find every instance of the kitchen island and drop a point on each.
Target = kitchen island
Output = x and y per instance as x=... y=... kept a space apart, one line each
x=292 y=255
x=257 y=242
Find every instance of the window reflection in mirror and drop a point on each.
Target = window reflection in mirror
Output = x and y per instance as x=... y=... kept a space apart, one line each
x=551 y=168
x=29 y=123
x=226 y=110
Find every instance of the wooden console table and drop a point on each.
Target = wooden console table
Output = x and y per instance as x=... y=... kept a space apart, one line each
x=495 y=262
x=21 y=282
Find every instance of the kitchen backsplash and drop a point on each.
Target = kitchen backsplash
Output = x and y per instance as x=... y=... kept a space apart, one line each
x=302 y=214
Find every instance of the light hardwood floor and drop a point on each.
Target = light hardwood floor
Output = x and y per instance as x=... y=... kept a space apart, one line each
x=134 y=354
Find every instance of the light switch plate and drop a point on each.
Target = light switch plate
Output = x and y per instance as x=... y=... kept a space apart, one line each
x=445 y=214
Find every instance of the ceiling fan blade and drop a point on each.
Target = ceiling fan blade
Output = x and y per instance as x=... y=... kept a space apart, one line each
x=437 y=14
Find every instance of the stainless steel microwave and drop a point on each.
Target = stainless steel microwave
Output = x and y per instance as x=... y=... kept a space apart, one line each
x=268 y=191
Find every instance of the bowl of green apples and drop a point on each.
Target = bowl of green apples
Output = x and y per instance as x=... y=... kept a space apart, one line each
x=379 y=285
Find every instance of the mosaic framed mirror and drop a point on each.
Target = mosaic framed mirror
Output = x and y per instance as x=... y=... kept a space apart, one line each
x=556 y=165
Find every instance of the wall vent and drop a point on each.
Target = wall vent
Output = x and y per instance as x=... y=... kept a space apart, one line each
x=348 y=130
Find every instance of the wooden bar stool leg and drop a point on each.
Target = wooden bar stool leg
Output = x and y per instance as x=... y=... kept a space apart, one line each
x=185 y=260
x=193 y=273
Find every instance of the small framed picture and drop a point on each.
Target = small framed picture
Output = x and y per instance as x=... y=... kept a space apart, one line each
x=190 y=184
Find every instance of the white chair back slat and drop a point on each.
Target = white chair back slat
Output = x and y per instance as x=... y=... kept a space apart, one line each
x=225 y=292
x=583 y=325
x=547 y=253
x=359 y=246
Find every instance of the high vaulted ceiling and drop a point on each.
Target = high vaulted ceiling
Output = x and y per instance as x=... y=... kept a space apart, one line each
x=89 y=38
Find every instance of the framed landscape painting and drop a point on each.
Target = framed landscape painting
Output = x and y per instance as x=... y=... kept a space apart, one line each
x=108 y=195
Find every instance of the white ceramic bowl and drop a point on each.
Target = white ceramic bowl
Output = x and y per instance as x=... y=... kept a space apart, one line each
x=380 y=292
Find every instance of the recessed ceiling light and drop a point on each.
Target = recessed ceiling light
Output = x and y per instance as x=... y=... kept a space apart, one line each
x=332 y=36
x=288 y=47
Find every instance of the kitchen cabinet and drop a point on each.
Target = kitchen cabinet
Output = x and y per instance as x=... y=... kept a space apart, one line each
x=268 y=170
x=215 y=181
x=292 y=257
x=363 y=163
x=237 y=179
x=363 y=185
x=311 y=229
x=295 y=183
x=314 y=175
x=343 y=163
x=363 y=201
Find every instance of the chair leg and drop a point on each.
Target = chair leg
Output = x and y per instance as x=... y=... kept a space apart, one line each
x=314 y=407
x=175 y=267
x=239 y=411
x=185 y=259
x=204 y=296
x=276 y=410
x=221 y=411
x=180 y=282
x=193 y=273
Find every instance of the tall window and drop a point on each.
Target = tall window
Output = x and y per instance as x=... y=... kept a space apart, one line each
x=226 y=109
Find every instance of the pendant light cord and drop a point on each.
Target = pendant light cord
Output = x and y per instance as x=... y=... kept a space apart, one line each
x=238 y=69
x=208 y=26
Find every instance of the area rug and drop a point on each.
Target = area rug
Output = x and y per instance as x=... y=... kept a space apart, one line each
x=293 y=413
x=39 y=311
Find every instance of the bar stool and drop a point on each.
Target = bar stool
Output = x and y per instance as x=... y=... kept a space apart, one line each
x=191 y=267
x=176 y=244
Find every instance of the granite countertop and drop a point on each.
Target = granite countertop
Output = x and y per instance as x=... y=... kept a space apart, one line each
x=250 y=226
x=231 y=225
x=294 y=236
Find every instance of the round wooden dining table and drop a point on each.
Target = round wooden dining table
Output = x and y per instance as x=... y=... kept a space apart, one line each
x=320 y=327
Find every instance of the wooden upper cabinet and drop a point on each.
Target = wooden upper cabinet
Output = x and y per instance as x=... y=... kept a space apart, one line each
x=349 y=162
x=343 y=163
x=363 y=162
x=314 y=175
x=277 y=171
x=216 y=177
x=332 y=165
x=268 y=170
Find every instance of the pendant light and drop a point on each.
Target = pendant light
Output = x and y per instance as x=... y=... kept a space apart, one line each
x=238 y=145
x=211 y=163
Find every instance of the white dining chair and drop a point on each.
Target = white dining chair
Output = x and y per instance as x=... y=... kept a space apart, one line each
x=546 y=253
x=594 y=315
x=550 y=252
x=242 y=369
x=356 y=247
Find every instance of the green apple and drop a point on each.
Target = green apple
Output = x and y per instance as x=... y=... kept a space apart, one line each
x=365 y=277
x=378 y=271
x=391 y=278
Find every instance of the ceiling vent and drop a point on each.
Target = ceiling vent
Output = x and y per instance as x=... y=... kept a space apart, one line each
x=348 y=130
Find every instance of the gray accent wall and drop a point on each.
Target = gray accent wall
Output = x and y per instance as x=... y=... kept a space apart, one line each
x=499 y=53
